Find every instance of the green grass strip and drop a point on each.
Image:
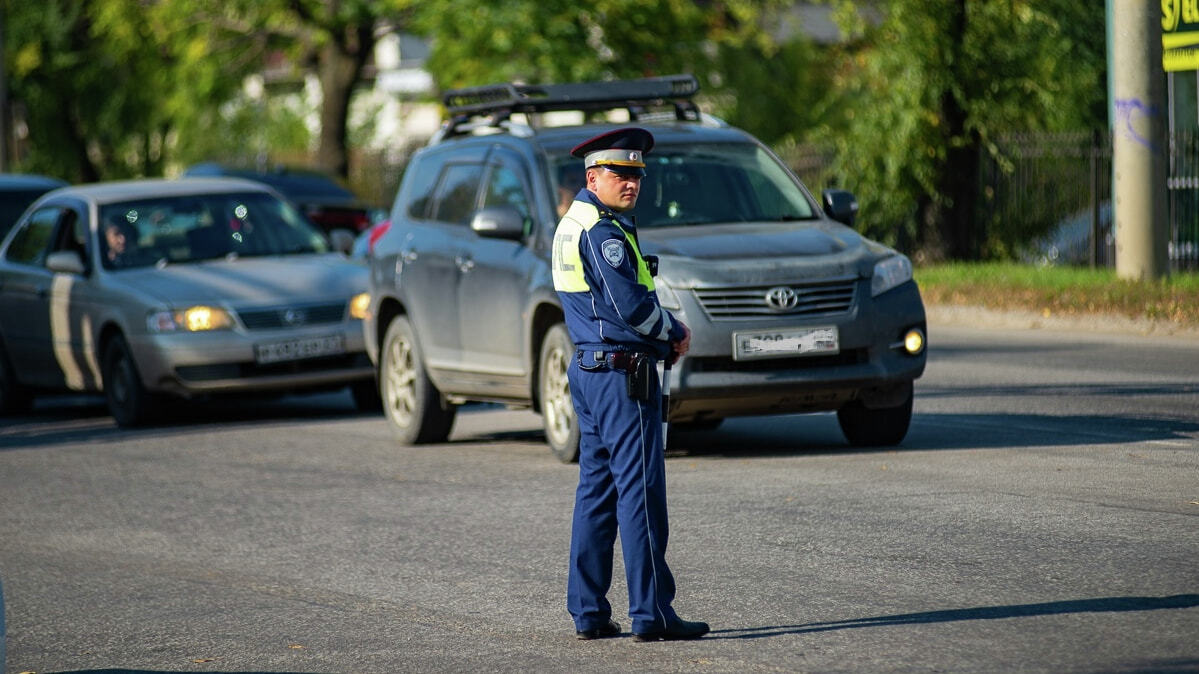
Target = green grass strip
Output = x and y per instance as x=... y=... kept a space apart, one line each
x=1068 y=291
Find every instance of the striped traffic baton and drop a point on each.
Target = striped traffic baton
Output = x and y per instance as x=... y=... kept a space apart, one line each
x=665 y=399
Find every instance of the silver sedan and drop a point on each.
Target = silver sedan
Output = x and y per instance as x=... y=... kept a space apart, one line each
x=150 y=289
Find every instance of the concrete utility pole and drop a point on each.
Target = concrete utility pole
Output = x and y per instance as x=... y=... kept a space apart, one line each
x=1139 y=140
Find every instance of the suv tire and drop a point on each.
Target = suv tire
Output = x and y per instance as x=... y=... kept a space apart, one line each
x=411 y=402
x=878 y=427
x=553 y=390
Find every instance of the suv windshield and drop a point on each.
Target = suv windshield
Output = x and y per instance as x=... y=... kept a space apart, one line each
x=708 y=183
x=200 y=227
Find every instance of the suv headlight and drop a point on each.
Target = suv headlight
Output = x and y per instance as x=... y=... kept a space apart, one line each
x=191 y=319
x=666 y=296
x=889 y=273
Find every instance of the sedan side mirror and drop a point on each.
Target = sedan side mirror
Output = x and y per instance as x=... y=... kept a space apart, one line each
x=840 y=205
x=499 y=222
x=66 y=262
x=342 y=240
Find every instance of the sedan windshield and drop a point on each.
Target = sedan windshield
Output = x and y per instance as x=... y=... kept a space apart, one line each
x=202 y=227
x=708 y=183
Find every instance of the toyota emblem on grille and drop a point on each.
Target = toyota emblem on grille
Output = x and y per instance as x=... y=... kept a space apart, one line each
x=294 y=317
x=781 y=298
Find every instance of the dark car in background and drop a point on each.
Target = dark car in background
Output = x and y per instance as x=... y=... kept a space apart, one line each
x=153 y=289
x=17 y=191
x=790 y=309
x=337 y=211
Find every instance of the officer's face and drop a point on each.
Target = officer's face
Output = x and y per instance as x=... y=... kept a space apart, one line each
x=616 y=190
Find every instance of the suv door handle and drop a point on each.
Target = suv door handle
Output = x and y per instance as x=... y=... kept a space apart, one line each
x=408 y=255
x=465 y=264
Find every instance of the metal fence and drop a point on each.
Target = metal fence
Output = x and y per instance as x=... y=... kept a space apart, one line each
x=1046 y=198
x=1183 y=189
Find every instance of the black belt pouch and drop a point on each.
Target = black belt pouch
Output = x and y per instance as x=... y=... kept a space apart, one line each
x=638 y=376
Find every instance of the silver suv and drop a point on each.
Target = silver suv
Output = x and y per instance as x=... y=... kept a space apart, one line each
x=790 y=309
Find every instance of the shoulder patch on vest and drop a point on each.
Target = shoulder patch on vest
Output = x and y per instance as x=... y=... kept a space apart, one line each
x=613 y=250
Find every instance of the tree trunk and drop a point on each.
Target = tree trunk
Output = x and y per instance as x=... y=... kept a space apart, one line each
x=76 y=140
x=959 y=186
x=951 y=222
x=341 y=62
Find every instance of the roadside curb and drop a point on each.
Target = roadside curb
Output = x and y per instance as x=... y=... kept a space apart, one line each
x=976 y=316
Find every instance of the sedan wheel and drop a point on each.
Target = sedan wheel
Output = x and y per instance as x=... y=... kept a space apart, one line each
x=413 y=405
x=128 y=401
x=557 y=408
x=14 y=398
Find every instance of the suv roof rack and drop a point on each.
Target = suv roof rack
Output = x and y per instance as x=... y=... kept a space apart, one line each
x=500 y=101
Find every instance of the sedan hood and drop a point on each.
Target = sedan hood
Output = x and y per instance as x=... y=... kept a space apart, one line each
x=762 y=252
x=249 y=281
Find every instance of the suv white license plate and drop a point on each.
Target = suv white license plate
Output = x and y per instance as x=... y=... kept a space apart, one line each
x=780 y=343
x=297 y=349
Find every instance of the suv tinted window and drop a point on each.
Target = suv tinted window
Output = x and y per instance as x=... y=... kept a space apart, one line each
x=456 y=193
x=424 y=177
x=708 y=183
x=504 y=188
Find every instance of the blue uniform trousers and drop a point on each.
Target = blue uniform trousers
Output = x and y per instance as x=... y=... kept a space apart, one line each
x=622 y=486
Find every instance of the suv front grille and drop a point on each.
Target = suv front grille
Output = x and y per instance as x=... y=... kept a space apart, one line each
x=292 y=317
x=805 y=299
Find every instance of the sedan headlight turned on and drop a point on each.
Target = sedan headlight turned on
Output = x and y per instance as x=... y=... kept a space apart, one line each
x=193 y=319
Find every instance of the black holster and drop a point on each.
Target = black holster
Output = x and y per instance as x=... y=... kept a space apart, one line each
x=638 y=378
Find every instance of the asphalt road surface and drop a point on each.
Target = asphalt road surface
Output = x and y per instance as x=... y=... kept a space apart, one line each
x=1041 y=516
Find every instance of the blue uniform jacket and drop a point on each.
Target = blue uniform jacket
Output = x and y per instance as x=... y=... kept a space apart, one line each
x=619 y=306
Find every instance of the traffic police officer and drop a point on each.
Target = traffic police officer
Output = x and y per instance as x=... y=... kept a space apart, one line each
x=620 y=332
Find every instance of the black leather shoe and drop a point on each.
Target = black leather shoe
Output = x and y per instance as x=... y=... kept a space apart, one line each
x=612 y=629
x=677 y=631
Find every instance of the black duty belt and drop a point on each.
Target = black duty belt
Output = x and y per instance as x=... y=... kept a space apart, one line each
x=624 y=361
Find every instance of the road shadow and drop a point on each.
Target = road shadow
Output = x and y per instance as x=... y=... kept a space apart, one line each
x=1054 y=390
x=1102 y=605
x=85 y=419
x=119 y=671
x=820 y=434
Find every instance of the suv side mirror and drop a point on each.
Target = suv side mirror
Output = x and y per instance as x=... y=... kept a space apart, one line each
x=65 y=261
x=499 y=222
x=840 y=205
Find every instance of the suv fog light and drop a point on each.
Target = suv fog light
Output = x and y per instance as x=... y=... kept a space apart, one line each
x=913 y=341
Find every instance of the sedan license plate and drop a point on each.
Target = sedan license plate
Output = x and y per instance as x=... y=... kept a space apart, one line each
x=297 y=349
x=780 y=343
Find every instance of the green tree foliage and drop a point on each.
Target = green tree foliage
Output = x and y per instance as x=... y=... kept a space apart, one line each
x=111 y=88
x=334 y=37
x=778 y=92
x=537 y=41
x=928 y=89
x=103 y=85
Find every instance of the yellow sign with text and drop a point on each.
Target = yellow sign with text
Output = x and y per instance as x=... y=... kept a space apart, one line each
x=1180 y=35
